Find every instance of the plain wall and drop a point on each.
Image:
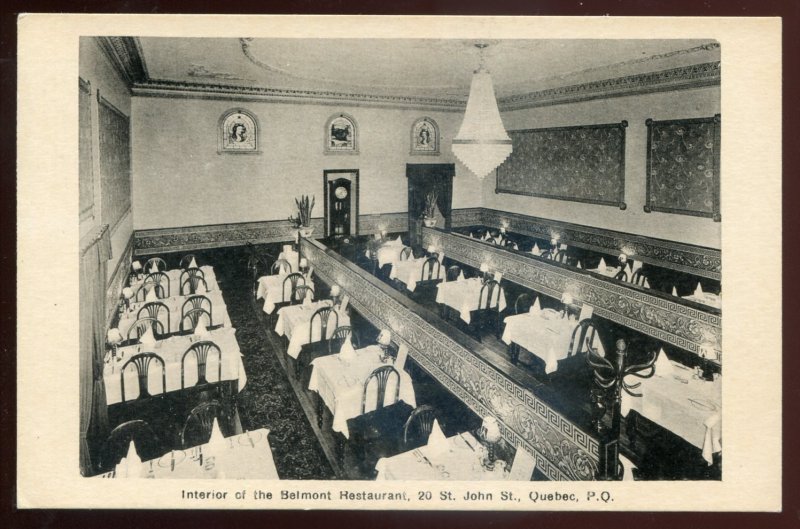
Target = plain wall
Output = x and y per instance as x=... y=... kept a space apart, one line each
x=635 y=110
x=180 y=179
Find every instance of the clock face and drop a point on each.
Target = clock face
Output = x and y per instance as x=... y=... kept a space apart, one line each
x=341 y=192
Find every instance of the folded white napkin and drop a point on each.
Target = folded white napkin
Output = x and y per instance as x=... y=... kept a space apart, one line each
x=664 y=367
x=399 y=239
x=347 y=352
x=151 y=295
x=153 y=269
x=201 y=329
x=646 y=283
x=441 y=257
x=307 y=300
x=133 y=463
x=367 y=254
x=193 y=264
x=699 y=290
x=602 y=265
x=586 y=312
x=216 y=438
x=471 y=236
x=461 y=276
x=402 y=355
x=637 y=265
x=579 y=265
x=201 y=288
x=498 y=276
x=674 y=292
x=147 y=338
x=437 y=442
x=515 y=246
x=536 y=308
x=535 y=250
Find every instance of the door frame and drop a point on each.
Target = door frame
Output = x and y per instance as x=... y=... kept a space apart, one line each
x=331 y=174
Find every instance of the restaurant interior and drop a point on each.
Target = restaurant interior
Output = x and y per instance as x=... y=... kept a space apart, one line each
x=400 y=259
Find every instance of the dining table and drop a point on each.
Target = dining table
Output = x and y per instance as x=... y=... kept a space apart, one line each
x=462 y=296
x=410 y=271
x=461 y=459
x=542 y=332
x=244 y=456
x=683 y=402
x=171 y=350
x=219 y=312
x=389 y=252
x=272 y=290
x=174 y=276
x=339 y=382
x=294 y=322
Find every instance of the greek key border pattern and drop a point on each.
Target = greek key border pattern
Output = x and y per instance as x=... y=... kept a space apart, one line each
x=696 y=260
x=375 y=222
x=563 y=451
x=674 y=323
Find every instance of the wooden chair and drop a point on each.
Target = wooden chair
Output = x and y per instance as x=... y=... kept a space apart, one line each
x=453 y=272
x=381 y=376
x=639 y=278
x=186 y=260
x=547 y=254
x=197 y=301
x=190 y=272
x=324 y=315
x=192 y=317
x=192 y=283
x=622 y=275
x=201 y=350
x=314 y=348
x=583 y=338
x=523 y=303
x=406 y=253
x=294 y=279
x=281 y=266
x=142 y=363
x=154 y=309
x=488 y=308
x=339 y=336
x=300 y=293
x=159 y=281
x=418 y=427
x=116 y=445
x=161 y=265
x=431 y=270
x=140 y=327
x=197 y=428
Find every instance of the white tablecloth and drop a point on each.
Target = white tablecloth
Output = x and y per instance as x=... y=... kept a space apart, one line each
x=463 y=296
x=269 y=289
x=691 y=410
x=172 y=350
x=294 y=320
x=542 y=332
x=410 y=271
x=219 y=313
x=389 y=252
x=461 y=461
x=706 y=298
x=340 y=384
x=244 y=456
x=175 y=277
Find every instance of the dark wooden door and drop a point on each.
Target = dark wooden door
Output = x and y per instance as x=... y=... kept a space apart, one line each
x=423 y=178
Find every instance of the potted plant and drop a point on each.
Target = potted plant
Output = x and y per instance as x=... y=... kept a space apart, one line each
x=429 y=213
x=303 y=219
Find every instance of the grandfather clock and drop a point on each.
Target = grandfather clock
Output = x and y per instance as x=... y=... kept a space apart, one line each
x=339 y=200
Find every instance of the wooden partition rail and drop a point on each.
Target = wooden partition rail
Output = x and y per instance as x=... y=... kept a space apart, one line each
x=687 y=327
x=561 y=449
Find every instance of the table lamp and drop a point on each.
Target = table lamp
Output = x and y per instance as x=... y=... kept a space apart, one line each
x=432 y=250
x=567 y=300
x=136 y=266
x=127 y=294
x=385 y=340
x=554 y=243
x=335 y=292
x=484 y=269
x=490 y=433
x=622 y=259
x=303 y=264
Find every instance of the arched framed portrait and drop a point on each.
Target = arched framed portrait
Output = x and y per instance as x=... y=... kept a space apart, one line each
x=238 y=132
x=341 y=135
x=425 y=137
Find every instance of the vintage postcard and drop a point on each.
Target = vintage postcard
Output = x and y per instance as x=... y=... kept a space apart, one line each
x=422 y=263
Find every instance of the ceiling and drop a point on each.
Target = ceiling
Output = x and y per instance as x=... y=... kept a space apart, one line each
x=431 y=68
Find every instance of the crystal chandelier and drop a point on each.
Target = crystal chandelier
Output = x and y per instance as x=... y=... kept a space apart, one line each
x=482 y=143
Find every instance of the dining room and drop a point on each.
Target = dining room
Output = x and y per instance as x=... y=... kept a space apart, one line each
x=438 y=259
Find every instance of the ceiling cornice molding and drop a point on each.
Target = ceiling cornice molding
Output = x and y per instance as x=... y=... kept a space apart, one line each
x=682 y=78
x=125 y=54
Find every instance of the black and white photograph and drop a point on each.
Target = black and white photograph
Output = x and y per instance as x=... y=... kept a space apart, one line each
x=476 y=261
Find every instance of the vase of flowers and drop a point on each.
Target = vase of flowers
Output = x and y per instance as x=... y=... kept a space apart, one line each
x=429 y=213
x=302 y=221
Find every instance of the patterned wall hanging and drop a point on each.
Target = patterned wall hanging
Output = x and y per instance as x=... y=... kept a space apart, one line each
x=341 y=135
x=85 y=159
x=425 y=137
x=683 y=166
x=238 y=132
x=115 y=162
x=581 y=164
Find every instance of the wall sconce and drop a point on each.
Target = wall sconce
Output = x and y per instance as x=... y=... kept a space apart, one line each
x=125 y=301
x=385 y=341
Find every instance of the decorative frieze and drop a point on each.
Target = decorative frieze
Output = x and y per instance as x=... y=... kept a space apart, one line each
x=669 y=321
x=562 y=450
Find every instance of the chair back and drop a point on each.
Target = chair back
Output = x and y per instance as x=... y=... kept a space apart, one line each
x=155 y=309
x=191 y=272
x=300 y=293
x=192 y=317
x=161 y=265
x=197 y=301
x=638 y=278
x=292 y=280
x=381 y=376
x=453 y=272
x=324 y=315
x=192 y=282
x=431 y=269
x=339 y=336
x=159 y=281
x=118 y=441
x=186 y=260
x=201 y=350
x=281 y=266
x=406 y=253
x=197 y=428
x=547 y=254
x=418 y=427
x=561 y=257
x=140 y=327
x=489 y=297
x=523 y=303
x=509 y=243
x=583 y=338
x=622 y=275
x=142 y=363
